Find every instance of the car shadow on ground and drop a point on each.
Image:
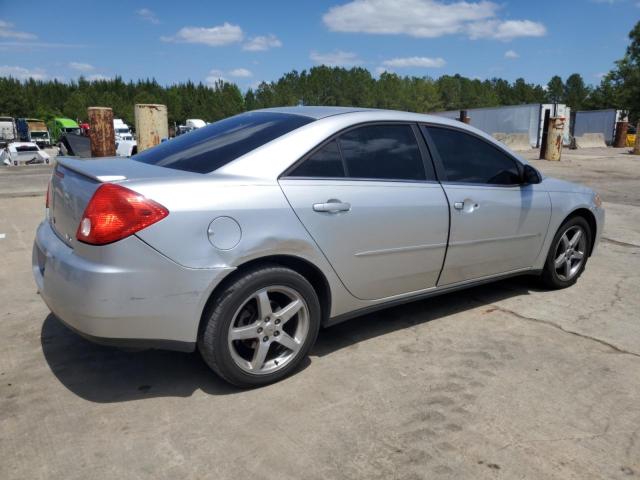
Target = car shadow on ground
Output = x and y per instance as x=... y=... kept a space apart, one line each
x=106 y=374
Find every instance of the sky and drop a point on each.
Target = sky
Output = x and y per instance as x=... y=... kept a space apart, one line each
x=247 y=42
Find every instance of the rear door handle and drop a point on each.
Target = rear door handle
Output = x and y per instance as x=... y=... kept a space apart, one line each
x=332 y=206
x=467 y=206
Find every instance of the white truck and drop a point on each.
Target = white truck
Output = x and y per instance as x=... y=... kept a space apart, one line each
x=125 y=143
x=190 y=125
x=8 y=132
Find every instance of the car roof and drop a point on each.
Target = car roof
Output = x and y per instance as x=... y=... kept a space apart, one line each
x=365 y=114
x=316 y=112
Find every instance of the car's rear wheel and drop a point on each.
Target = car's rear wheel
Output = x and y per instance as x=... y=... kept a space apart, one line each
x=260 y=327
x=568 y=254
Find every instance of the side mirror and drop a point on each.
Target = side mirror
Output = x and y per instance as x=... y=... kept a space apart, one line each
x=530 y=175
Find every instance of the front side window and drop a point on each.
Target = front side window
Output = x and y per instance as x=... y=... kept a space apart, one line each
x=209 y=148
x=469 y=159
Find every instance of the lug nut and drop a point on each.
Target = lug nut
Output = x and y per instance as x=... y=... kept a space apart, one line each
x=259 y=329
x=277 y=321
x=276 y=333
x=267 y=318
x=265 y=339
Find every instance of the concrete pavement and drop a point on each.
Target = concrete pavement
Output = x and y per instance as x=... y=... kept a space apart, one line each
x=500 y=381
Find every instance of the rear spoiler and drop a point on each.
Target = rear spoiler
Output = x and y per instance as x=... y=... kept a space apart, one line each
x=80 y=166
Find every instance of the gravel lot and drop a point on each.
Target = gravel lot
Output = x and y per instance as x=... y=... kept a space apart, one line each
x=500 y=381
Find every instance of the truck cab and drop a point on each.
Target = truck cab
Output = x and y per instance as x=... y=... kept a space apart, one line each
x=8 y=132
x=33 y=130
x=61 y=126
x=121 y=130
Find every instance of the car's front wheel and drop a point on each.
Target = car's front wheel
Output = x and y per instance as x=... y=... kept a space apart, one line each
x=568 y=254
x=260 y=326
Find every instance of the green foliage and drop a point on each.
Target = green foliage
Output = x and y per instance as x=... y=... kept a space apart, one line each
x=555 y=90
x=320 y=85
x=620 y=88
x=48 y=99
x=575 y=92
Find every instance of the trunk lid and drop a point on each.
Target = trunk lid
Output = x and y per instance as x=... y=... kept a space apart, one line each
x=74 y=182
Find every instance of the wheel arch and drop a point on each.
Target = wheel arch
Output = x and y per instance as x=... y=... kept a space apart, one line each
x=591 y=220
x=308 y=270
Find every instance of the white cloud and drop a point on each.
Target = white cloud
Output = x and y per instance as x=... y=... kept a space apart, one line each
x=97 y=76
x=427 y=19
x=420 y=62
x=22 y=73
x=337 y=58
x=214 y=77
x=261 y=43
x=148 y=16
x=7 y=31
x=506 y=30
x=212 y=36
x=81 y=67
x=35 y=45
x=240 y=72
x=511 y=54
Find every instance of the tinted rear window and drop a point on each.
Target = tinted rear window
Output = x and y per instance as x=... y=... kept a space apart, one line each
x=211 y=147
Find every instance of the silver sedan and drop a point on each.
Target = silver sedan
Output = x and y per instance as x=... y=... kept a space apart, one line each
x=243 y=238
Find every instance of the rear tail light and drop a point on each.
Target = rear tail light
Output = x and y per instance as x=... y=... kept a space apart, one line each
x=115 y=212
x=46 y=201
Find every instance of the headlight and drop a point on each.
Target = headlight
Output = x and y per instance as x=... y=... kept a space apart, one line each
x=597 y=200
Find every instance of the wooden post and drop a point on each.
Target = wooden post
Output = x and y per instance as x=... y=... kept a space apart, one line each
x=101 y=134
x=553 y=150
x=620 y=140
x=152 y=125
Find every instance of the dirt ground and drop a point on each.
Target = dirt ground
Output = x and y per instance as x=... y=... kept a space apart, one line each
x=499 y=381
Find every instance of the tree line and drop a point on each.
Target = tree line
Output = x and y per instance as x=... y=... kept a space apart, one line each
x=323 y=85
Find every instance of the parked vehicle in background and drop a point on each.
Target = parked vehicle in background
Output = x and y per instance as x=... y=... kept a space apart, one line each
x=61 y=126
x=242 y=238
x=23 y=153
x=631 y=136
x=195 y=123
x=190 y=125
x=84 y=129
x=33 y=130
x=8 y=132
x=121 y=130
x=126 y=145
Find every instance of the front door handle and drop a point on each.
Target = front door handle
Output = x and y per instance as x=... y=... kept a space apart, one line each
x=332 y=206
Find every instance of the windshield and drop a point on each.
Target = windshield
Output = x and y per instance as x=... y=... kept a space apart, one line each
x=209 y=148
x=122 y=130
x=39 y=134
x=75 y=131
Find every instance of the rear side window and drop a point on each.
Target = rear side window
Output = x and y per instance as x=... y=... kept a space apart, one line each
x=382 y=151
x=324 y=163
x=386 y=152
x=469 y=159
x=209 y=148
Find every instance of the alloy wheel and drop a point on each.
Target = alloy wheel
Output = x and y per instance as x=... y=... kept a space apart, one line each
x=570 y=253
x=268 y=329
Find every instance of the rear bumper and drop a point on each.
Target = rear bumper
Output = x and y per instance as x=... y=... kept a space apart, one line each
x=128 y=295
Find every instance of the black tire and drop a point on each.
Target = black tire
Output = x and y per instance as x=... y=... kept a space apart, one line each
x=213 y=341
x=550 y=277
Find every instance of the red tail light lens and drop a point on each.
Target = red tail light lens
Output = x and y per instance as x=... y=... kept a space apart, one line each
x=115 y=212
x=46 y=202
